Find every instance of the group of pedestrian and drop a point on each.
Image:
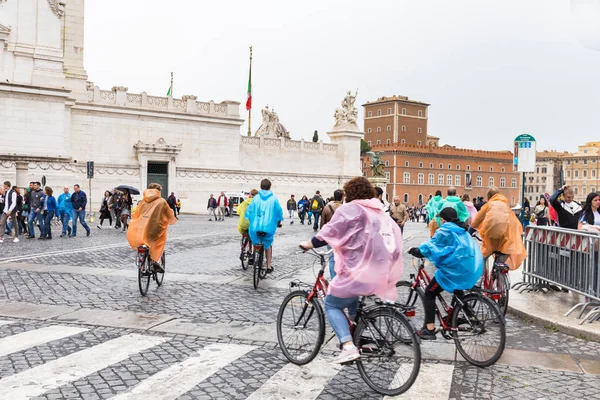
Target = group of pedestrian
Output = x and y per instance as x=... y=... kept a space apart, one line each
x=222 y=204
x=116 y=205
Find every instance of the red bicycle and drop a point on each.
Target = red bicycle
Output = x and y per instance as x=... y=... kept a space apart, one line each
x=390 y=353
x=472 y=320
x=495 y=281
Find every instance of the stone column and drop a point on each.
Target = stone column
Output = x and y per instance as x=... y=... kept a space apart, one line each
x=22 y=174
x=190 y=105
x=120 y=95
x=347 y=137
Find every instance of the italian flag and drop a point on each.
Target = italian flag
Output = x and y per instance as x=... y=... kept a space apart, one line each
x=249 y=98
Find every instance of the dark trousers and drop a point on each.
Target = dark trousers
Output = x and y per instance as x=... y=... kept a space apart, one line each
x=47 y=230
x=431 y=293
x=104 y=216
x=316 y=215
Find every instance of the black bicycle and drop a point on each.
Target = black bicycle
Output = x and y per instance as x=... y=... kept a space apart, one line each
x=245 y=252
x=146 y=270
x=258 y=259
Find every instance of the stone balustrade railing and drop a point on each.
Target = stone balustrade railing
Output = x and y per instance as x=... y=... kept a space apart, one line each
x=118 y=96
x=284 y=143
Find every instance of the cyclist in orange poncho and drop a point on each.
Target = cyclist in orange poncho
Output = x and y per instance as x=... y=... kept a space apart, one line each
x=149 y=224
x=500 y=230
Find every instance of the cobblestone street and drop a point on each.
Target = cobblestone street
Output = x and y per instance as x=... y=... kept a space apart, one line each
x=74 y=325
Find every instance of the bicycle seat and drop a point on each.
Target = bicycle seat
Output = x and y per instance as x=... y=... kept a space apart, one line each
x=261 y=234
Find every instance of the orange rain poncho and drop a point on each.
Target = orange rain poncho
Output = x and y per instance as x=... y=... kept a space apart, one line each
x=149 y=223
x=501 y=231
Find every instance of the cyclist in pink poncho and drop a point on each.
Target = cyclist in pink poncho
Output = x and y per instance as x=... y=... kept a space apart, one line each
x=367 y=245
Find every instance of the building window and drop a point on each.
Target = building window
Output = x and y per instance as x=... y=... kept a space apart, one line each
x=419 y=130
x=430 y=165
x=403 y=141
x=449 y=179
x=537 y=170
x=421 y=179
x=491 y=169
x=389 y=111
x=449 y=166
x=441 y=166
x=370 y=113
x=431 y=179
x=387 y=163
x=378 y=129
x=585 y=161
x=406 y=197
x=468 y=167
x=576 y=173
x=576 y=190
x=407 y=177
x=513 y=182
x=491 y=182
x=592 y=189
x=593 y=174
x=387 y=175
x=568 y=174
x=379 y=142
x=568 y=162
x=364 y=165
x=457 y=166
x=369 y=142
x=379 y=113
x=403 y=128
x=389 y=141
x=502 y=169
x=479 y=168
x=457 y=180
x=583 y=190
x=420 y=113
x=419 y=142
x=544 y=170
x=585 y=174
x=406 y=163
x=441 y=179
x=420 y=199
x=513 y=200
x=502 y=182
x=369 y=130
x=479 y=181
x=389 y=128
x=404 y=111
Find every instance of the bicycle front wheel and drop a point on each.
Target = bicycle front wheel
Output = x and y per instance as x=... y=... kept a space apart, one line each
x=501 y=283
x=412 y=297
x=479 y=330
x=390 y=354
x=244 y=257
x=144 y=274
x=300 y=327
x=258 y=261
x=159 y=276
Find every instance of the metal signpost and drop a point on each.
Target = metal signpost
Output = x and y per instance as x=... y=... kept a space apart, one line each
x=524 y=161
x=90 y=175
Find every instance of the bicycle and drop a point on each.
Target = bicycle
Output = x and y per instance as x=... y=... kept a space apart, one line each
x=245 y=251
x=496 y=284
x=260 y=271
x=390 y=353
x=146 y=269
x=472 y=320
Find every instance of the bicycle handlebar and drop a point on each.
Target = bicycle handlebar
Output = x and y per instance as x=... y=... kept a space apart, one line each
x=315 y=252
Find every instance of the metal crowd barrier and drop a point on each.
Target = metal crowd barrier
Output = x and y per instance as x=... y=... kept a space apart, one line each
x=565 y=259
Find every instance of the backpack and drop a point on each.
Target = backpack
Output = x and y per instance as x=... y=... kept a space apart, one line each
x=315 y=204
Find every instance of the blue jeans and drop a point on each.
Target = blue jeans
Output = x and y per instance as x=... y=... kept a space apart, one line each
x=33 y=215
x=47 y=232
x=331 y=265
x=316 y=214
x=81 y=216
x=334 y=308
x=65 y=218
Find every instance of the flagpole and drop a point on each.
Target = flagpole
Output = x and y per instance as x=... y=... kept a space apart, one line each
x=171 y=84
x=250 y=109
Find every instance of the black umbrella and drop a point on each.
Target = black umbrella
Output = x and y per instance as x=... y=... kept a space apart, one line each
x=130 y=189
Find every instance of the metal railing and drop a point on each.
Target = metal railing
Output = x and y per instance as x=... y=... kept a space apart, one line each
x=564 y=259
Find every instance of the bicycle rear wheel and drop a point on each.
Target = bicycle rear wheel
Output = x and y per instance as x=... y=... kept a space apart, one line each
x=244 y=256
x=263 y=264
x=300 y=327
x=501 y=283
x=144 y=274
x=258 y=260
x=407 y=296
x=159 y=276
x=479 y=330
x=390 y=354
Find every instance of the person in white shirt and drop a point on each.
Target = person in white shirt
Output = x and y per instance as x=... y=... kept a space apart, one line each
x=10 y=210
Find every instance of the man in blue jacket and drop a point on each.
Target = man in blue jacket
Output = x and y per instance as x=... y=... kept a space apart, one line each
x=79 y=201
x=265 y=215
x=65 y=210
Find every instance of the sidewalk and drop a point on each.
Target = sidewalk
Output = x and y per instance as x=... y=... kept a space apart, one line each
x=548 y=309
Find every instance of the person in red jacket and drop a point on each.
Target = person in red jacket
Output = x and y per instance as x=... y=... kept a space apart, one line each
x=222 y=205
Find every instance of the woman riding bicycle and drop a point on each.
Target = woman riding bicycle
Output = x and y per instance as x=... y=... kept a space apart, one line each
x=458 y=260
x=367 y=245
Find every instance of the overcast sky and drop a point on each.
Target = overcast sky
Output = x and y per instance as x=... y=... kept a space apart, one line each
x=491 y=70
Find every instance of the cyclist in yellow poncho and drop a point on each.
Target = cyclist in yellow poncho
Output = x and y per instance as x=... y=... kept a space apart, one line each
x=243 y=223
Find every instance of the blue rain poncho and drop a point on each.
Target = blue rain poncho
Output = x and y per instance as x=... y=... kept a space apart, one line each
x=264 y=213
x=458 y=259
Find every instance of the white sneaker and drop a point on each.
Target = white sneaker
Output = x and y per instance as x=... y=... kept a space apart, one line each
x=1 y=241
x=16 y=240
x=347 y=355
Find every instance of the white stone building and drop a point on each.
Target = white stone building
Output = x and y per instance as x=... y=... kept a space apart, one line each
x=53 y=120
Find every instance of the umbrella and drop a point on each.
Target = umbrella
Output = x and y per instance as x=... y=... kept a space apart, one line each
x=130 y=189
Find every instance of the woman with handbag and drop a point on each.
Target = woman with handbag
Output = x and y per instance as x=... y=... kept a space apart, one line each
x=541 y=212
x=105 y=209
x=125 y=206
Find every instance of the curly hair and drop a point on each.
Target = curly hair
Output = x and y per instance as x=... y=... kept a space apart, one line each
x=359 y=188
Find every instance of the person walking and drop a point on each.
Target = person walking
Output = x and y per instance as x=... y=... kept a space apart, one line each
x=222 y=204
x=178 y=207
x=328 y=211
x=567 y=209
x=25 y=212
x=105 y=209
x=9 y=211
x=48 y=212
x=542 y=212
x=291 y=207
x=316 y=206
x=211 y=207
x=79 y=202
x=116 y=201
x=302 y=208
x=230 y=205
x=35 y=209
x=65 y=211
x=172 y=202
x=125 y=207
x=20 y=223
x=398 y=213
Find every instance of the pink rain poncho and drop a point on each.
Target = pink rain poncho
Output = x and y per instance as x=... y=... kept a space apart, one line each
x=367 y=245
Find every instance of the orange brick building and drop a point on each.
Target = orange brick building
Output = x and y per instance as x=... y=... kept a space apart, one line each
x=417 y=166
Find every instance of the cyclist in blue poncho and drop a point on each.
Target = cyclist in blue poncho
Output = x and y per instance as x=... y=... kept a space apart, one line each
x=265 y=215
x=458 y=260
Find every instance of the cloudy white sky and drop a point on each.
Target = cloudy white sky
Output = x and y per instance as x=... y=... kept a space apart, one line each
x=490 y=69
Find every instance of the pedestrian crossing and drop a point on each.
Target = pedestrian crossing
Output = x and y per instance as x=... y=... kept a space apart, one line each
x=174 y=380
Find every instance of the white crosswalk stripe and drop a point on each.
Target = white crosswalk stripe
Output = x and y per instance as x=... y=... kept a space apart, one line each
x=38 y=380
x=25 y=340
x=433 y=383
x=298 y=382
x=3 y=322
x=180 y=378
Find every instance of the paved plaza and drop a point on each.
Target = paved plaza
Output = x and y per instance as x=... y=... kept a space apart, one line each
x=73 y=325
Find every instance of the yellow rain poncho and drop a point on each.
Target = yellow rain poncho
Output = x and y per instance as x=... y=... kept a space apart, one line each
x=501 y=231
x=149 y=223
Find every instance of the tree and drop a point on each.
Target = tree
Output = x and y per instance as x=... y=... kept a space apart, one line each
x=364 y=147
x=316 y=137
